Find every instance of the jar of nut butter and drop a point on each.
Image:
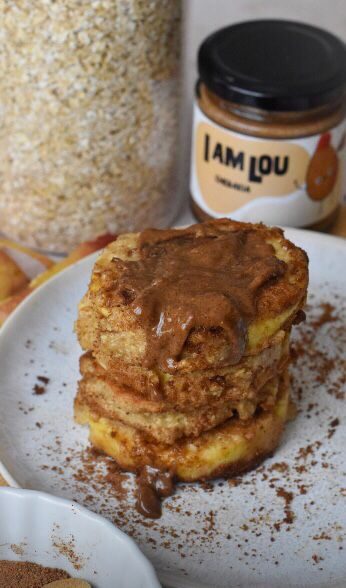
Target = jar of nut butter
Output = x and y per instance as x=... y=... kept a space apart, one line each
x=269 y=125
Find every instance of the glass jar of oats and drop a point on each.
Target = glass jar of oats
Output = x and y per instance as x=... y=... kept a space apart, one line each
x=88 y=118
x=269 y=125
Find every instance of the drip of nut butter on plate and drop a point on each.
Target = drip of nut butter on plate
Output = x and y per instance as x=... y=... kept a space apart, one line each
x=152 y=485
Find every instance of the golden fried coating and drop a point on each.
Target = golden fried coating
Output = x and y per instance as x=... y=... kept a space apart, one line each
x=196 y=388
x=225 y=450
x=104 y=398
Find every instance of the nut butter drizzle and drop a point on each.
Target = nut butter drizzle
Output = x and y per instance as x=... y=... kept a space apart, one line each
x=152 y=485
x=206 y=276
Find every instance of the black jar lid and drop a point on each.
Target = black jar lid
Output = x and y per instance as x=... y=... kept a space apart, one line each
x=274 y=65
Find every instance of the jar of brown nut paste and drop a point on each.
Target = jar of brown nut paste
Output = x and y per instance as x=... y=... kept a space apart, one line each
x=269 y=125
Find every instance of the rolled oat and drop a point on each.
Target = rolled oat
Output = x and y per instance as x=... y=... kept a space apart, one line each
x=88 y=117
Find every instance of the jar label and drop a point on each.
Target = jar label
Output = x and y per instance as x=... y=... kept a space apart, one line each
x=296 y=182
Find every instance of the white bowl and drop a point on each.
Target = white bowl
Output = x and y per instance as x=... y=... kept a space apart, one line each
x=54 y=532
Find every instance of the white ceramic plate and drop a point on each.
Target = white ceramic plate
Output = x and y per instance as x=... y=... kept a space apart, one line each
x=58 y=533
x=281 y=526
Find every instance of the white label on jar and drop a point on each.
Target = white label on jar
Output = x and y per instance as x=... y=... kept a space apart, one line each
x=294 y=182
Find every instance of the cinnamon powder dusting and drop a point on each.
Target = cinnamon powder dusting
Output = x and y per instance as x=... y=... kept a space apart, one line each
x=318 y=382
x=23 y=574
